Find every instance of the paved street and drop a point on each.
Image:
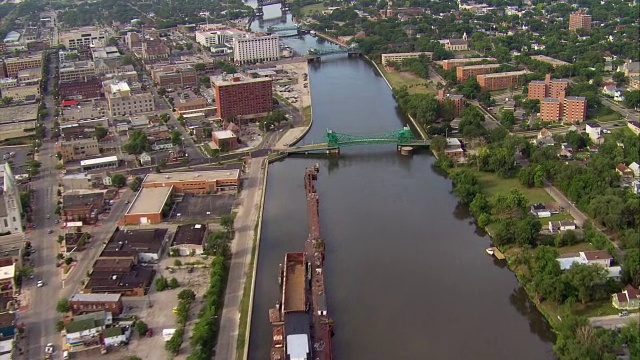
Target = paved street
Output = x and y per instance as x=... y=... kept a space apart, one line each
x=627 y=114
x=614 y=321
x=241 y=249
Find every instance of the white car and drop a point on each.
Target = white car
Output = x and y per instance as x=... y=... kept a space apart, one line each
x=48 y=349
x=40 y=283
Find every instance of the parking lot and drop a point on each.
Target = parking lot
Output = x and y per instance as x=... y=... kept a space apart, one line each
x=202 y=207
x=21 y=154
x=155 y=310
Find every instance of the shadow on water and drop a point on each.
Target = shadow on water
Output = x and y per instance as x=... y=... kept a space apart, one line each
x=537 y=324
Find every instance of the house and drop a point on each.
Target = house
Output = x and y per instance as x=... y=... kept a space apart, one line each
x=87 y=303
x=114 y=336
x=560 y=226
x=594 y=131
x=546 y=141
x=624 y=171
x=634 y=126
x=544 y=133
x=83 y=332
x=635 y=187
x=189 y=239
x=540 y=210
x=628 y=299
x=635 y=167
x=454 y=149
x=598 y=257
x=145 y=159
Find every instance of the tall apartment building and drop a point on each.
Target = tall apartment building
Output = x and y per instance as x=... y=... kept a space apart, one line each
x=256 y=48
x=242 y=97
x=78 y=70
x=212 y=38
x=499 y=81
x=458 y=101
x=570 y=109
x=3 y=69
x=14 y=65
x=79 y=149
x=175 y=75
x=549 y=88
x=451 y=64
x=580 y=20
x=122 y=101
x=465 y=72
x=84 y=37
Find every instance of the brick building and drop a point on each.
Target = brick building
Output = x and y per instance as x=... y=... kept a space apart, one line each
x=458 y=101
x=175 y=75
x=571 y=109
x=81 y=89
x=190 y=239
x=580 y=20
x=225 y=140
x=146 y=208
x=243 y=97
x=78 y=149
x=465 y=72
x=88 y=303
x=14 y=65
x=82 y=206
x=196 y=182
x=500 y=81
x=451 y=64
x=550 y=109
x=549 y=88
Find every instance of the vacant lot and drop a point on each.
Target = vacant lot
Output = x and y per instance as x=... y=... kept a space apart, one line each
x=414 y=84
x=492 y=184
x=203 y=207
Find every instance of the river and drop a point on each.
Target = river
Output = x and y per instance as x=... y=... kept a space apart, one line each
x=406 y=272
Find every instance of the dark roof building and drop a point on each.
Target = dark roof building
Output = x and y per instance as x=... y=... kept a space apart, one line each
x=134 y=282
x=190 y=239
x=141 y=245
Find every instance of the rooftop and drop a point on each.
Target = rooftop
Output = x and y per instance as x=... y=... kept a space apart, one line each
x=233 y=79
x=549 y=60
x=14 y=114
x=224 y=134
x=131 y=242
x=508 y=73
x=150 y=200
x=96 y=297
x=100 y=160
x=213 y=175
x=110 y=282
x=576 y=98
x=80 y=199
x=7 y=272
x=481 y=66
x=81 y=325
x=190 y=234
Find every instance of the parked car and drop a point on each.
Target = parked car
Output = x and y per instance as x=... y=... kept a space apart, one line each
x=40 y=283
x=48 y=349
x=623 y=313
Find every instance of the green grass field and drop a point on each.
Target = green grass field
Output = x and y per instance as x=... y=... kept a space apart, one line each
x=310 y=9
x=414 y=84
x=491 y=184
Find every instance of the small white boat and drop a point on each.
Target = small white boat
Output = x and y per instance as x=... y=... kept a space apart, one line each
x=489 y=251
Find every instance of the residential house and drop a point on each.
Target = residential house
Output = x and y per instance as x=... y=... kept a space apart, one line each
x=594 y=131
x=560 y=226
x=635 y=187
x=87 y=303
x=114 y=336
x=628 y=299
x=544 y=138
x=454 y=150
x=630 y=68
x=634 y=126
x=145 y=159
x=544 y=133
x=190 y=239
x=540 y=210
x=635 y=167
x=599 y=257
x=84 y=332
x=624 y=171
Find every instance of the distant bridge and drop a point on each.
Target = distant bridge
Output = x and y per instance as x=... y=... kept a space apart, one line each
x=273 y=29
x=316 y=54
x=284 y=5
x=334 y=141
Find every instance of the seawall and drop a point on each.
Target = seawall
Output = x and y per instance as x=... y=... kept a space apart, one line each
x=417 y=126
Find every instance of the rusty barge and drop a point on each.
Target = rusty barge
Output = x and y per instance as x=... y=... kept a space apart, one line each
x=300 y=323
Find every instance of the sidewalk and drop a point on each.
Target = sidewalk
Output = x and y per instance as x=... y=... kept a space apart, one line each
x=291 y=136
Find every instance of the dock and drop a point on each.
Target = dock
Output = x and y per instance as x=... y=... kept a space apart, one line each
x=497 y=253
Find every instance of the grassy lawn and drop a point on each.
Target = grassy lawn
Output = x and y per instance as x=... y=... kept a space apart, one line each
x=306 y=116
x=598 y=308
x=604 y=114
x=310 y=9
x=492 y=184
x=415 y=84
x=572 y=249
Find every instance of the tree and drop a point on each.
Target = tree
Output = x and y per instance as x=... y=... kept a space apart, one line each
x=101 y=132
x=63 y=306
x=138 y=143
x=226 y=221
x=527 y=231
x=173 y=283
x=135 y=183
x=576 y=140
x=173 y=345
x=631 y=267
x=620 y=78
x=507 y=118
x=465 y=186
x=118 y=180
x=141 y=327
x=545 y=274
x=161 y=283
x=133 y=357
x=33 y=167
x=438 y=144
x=479 y=205
x=632 y=99
x=582 y=278
x=176 y=137
x=162 y=91
x=186 y=295
x=164 y=117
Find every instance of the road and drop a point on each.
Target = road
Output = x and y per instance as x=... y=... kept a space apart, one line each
x=628 y=114
x=241 y=249
x=614 y=321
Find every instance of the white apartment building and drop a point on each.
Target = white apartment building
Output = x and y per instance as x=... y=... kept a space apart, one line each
x=212 y=38
x=122 y=101
x=84 y=37
x=256 y=48
x=10 y=206
x=78 y=70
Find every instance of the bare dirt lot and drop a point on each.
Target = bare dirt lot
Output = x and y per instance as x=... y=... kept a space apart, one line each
x=156 y=310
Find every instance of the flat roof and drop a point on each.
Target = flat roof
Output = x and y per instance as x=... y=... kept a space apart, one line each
x=150 y=200
x=508 y=73
x=212 y=175
x=190 y=234
x=97 y=161
x=480 y=66
x=130 y=242
x=549 y=60
x=8 y=272
x=13 y=114
x=224 y=134
x=96 y=297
